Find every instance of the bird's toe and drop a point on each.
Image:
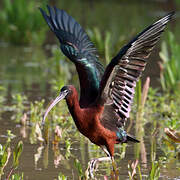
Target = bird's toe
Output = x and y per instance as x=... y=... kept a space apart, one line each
x=92 y=166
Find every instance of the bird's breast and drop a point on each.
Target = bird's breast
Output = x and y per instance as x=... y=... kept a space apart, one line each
x=88 y=123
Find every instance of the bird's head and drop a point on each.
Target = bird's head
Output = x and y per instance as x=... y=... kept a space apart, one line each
x=65 y=93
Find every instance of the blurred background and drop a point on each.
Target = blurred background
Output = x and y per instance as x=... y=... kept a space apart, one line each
x=32 y=70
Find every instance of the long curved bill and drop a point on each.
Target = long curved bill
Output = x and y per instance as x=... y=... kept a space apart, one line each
x=59 y=98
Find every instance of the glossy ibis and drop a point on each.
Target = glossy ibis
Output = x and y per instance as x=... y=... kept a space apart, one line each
x=105 y=95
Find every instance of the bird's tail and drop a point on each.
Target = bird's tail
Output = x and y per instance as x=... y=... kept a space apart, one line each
x=132 y=139
x=124 y=137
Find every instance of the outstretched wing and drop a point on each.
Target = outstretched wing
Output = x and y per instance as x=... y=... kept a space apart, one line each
x=120 y=77
x=75 y=44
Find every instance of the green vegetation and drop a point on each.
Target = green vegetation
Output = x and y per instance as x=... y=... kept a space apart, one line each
x=152 y=109
x=170 y=55
x=21 y=22
x=60 y=67
x=5 y=154
x=103 y=42
x=17 y=177
x=62 y=177
x=154 y=117
x=19 y=106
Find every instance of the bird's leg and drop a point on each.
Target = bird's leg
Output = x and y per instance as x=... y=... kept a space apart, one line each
x=112 y=159
x=92 y=165
x=115 y=172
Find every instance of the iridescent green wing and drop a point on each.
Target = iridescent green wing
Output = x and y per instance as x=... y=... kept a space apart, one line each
x=75 y=44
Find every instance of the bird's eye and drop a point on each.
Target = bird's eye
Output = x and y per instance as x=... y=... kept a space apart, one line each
x=66 y=91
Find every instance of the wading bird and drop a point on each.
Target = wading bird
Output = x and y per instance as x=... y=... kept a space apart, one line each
x=105 y=95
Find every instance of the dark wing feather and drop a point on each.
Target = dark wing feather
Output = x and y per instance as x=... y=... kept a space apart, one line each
x=120 y=77
x=75 y=44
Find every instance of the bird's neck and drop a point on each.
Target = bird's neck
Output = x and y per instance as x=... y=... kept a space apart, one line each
x=89 y=84
x=76 y=111
x=73 y=103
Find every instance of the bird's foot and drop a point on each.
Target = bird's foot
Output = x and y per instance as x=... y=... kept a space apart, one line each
x=92 y=166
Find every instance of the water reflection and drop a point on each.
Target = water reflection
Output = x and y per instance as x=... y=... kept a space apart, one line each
x=37 y=156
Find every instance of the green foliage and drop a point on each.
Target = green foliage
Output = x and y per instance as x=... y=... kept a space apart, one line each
x=37 y=111
x=4 y=157
x=170 y=74
x=138 y=94
x=17 y=176
x=19 y=106
x=106 y=48
x=96 y=37
x=16 y=154
x=60 y=69
x=62 y=177
x=5 y=153
x=78 y=166
x=36 y=115
x=21 y=22
x=2 y=98
x=68 y=148
x=10 y=136
x=164 y=108
x=155 y=171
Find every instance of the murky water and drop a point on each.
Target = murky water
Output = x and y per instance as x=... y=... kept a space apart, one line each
x=25 y=70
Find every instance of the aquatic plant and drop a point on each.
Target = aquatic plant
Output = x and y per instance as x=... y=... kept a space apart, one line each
x=140 y=100
x=170 y=65
x=78 y=166
x=21 y=22
x=154 y=173
x=62 y=177
x=135 y=171
x=132 y=170
x=2 y=99
x=17 y=176
x=36 y=113
x=5 y=153
x=60 y=68
x=19 y=106
x=104 y=43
